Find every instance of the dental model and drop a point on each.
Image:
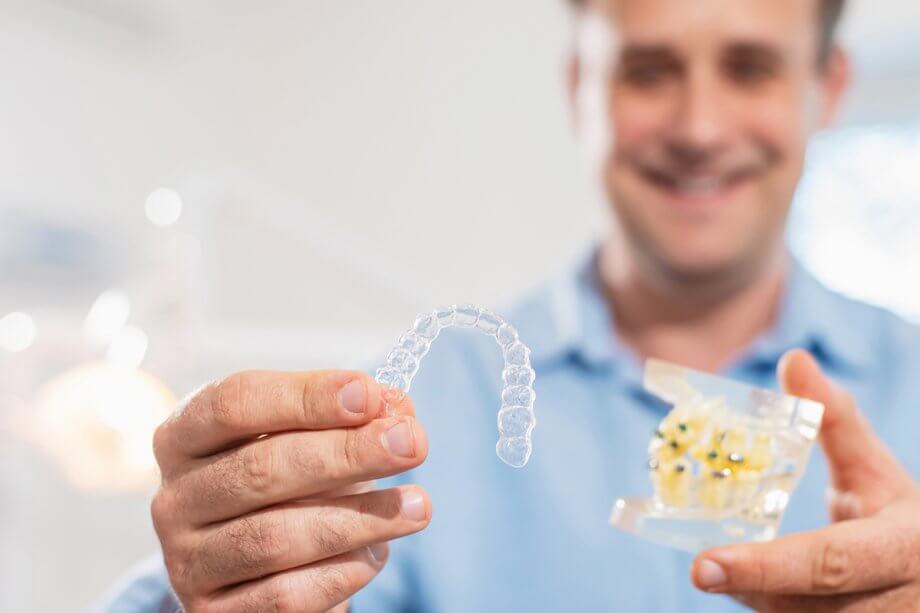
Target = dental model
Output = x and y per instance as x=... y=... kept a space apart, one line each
x=701 y=455
x=516 y=419
x=723 y=462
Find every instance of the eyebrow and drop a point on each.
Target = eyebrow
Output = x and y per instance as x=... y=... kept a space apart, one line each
x=634 y=52
x=761 y=51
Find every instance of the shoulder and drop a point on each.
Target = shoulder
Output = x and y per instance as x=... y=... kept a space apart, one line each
x=886 y=377
x=898 y=351
x=877 y=354
x=854 y=332
x=880 y=334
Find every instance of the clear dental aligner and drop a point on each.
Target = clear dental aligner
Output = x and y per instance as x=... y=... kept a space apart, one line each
x=723 y=462
x=516 y=418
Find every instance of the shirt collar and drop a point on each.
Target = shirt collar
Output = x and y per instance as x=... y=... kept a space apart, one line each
x=582 y=326
x=576 y=323
x=813 y=317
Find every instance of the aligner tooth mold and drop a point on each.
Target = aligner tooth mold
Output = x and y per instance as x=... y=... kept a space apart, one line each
x=516 y=418
x=722 y=463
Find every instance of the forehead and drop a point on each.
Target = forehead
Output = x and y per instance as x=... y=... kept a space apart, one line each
x=785 y=23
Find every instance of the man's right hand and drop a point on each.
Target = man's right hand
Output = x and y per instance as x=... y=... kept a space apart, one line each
x=265 y=501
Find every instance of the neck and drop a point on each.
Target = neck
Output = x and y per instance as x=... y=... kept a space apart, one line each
x=701 y=323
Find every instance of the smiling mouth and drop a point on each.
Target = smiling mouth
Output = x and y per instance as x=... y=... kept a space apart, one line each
x=697 y=186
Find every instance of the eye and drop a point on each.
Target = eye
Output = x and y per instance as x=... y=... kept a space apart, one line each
x=749 y=71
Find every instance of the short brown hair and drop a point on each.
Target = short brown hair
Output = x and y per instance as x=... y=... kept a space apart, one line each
x=829 y=17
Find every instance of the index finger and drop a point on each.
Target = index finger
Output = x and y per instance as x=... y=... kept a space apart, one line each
x=860 y=461
x=252 y=403
x=851 y=556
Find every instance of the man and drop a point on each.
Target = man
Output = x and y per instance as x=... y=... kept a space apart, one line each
x=697 y=115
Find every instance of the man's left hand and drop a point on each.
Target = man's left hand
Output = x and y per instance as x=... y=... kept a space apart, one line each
x=868 y=560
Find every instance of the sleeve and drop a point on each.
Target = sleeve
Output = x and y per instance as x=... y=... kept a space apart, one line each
x=395 y=589
x=144 y=589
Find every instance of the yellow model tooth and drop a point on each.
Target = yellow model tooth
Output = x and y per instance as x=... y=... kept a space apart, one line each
x=700 y=453
x=734 y=440
x=698 y=459
x=745 y=484
x=759 y=456
x=714 y=488
x=672 y=482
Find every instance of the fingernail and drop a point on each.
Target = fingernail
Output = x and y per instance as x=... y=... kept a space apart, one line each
x=353 y=396
x=378 y=553
x=710 y=575
x=412 y=505
x=399 y=440
x=843 y=505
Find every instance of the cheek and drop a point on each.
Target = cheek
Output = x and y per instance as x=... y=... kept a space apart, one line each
x=635 y=120
x=782 y=123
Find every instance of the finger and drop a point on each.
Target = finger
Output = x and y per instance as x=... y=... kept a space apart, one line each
x=298 y=534
x=843 y=505
x=771 y=603
x=860 y=462
x=347 y=490
x=852 y=556
x=253 y=403
x=875 y=601
x=313 y=588
x=295 y=465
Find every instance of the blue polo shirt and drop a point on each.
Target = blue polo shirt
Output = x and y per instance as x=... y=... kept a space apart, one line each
x=537 y=539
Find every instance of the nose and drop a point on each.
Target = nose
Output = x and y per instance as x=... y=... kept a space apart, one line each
x=701 y=123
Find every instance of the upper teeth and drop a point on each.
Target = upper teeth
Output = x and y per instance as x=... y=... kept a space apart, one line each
x=699 y=186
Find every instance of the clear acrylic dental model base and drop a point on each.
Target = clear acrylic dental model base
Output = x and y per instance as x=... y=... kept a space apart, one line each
x=723 y=462
x=515 y=418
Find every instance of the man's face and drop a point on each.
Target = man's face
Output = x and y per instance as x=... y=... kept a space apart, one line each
x=697 y=113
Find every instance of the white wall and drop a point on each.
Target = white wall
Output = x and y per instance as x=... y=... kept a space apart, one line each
x=346 y=162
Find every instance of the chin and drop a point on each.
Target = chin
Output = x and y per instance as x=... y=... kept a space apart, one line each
x=709 y=265
x=697 y=268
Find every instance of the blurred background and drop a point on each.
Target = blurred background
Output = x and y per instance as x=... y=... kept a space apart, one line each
x=192 y=187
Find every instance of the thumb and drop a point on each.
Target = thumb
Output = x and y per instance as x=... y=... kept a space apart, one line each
x=860 y=463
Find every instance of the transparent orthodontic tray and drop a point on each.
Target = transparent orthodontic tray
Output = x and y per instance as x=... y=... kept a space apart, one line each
x=723 y=462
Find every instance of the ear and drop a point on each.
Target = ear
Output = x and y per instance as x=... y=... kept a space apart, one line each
x=573 y=83
x=835 y=81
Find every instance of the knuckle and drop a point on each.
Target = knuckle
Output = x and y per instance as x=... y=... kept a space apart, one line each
x=162 y=507
x=761 y=573
x=279 y=597
x=161 y=439
x=260 y=539
x=306 y=458
x=169 y=434
x=350 y=448
x=318 y=394
x=257 y=467
x=226 y=479
x=245 y=547
x=198 y=605
x=180 y=567
x=194 y=410
x=832 y=567
x=333 y=583
x=332 y=532
x=310 y=397
x=228 y=399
